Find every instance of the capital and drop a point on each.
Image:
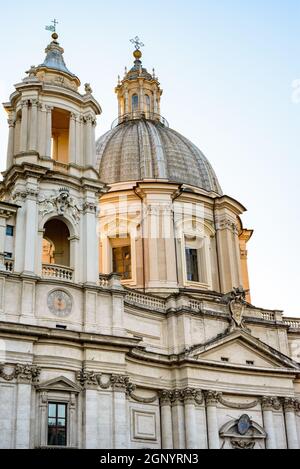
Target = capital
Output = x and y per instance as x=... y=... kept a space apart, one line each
x=165 y=397
x=289 y=404
x=212 y=397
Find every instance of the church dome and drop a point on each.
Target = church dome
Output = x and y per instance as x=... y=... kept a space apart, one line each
x=140 y=149
x=141 y=145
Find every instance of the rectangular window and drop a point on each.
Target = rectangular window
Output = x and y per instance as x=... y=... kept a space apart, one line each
x=122 y=262
x=192 y=265
x=57 y=424
x=8 y=255
x=225 y=359
x=9 y=230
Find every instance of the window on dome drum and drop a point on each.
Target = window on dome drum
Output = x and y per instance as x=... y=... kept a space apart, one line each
x=195 y=258
x=9 y=230
x=135 y=103
x=60 y=135
x=122 y=262
x=192 y=265
x=57 y=424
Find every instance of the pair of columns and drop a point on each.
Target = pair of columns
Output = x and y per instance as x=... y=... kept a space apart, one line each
x=178 y=416
x=269 y=405
x=82 y=140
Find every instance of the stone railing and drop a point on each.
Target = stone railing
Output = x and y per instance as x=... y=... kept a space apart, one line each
x=9 y=265
x=103 y=281
x=293 y=323
x=259 y=314
x=57 y=272
x=195 y=305
x=148 y=301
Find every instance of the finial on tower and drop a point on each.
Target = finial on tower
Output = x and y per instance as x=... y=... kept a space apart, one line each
x=138 y=45
x=52 y=28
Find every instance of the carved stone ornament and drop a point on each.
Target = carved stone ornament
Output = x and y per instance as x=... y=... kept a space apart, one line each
x=290 y=404
x=242 y=444
x=25 y=373
x=88 y=88
x=270 y=403
x=60 y=204
x=212 y=397
x=237 y=302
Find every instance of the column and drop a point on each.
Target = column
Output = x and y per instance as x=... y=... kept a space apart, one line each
x=72 y=139
x=91 y=267
x=93 y=142
x=31 y=232
x=127 y=102
x=2 y=242
x=212 y=399
x=23 y=413
x=166 y=420
x=120 y=427
x=189 y=396
x=79 y=158
x=48 y=142
x=89 y=143
x=290 y=423
x=155 y=110
x=178 y=420
x=267 y=405
x=141 y=99
x=229 y=271
x=74 y=256
x=43 y=407
x=91 y=418
x=34 y=125
x=11 y=144
x=24 y=127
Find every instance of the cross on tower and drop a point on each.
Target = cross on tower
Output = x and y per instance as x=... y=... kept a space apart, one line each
x=137 y=43
x=52 y=28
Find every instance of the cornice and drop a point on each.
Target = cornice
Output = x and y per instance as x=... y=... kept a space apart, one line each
x=82 y=338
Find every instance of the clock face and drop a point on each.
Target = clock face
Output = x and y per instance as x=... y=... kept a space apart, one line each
x=60 y=303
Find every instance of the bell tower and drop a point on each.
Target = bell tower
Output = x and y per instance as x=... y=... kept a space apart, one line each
x=50 y=122
x=51 y=187
x=139 y=92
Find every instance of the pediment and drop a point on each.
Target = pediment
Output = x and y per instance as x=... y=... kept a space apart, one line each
x=60 y=384
x=240 y=348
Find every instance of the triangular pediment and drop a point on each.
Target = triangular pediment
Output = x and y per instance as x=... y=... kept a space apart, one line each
x=60 y=384
x=240 y=348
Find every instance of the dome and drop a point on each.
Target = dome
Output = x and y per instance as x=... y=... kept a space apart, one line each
x=140 y=149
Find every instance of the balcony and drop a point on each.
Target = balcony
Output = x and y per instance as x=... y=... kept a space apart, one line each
x=57 y=272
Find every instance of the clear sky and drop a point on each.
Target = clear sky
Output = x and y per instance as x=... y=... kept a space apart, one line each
x=227 y=68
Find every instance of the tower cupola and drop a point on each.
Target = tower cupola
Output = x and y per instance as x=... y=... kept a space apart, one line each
x=139 y=91
x=51 y=122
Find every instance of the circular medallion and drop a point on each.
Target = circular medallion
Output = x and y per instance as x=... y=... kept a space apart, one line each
x=60 y=303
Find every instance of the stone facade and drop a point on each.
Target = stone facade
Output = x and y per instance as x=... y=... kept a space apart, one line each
x=158 y=360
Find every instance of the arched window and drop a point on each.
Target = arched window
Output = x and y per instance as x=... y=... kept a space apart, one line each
x=135 y=103
x=56 y=244
x=60 y=135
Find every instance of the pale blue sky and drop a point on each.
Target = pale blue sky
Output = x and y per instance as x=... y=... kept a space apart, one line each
x=227 y=68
